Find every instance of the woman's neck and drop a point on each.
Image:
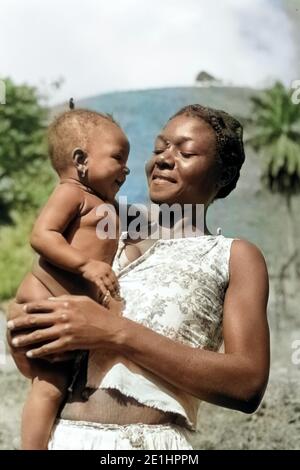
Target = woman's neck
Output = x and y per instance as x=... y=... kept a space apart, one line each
x=189 y=222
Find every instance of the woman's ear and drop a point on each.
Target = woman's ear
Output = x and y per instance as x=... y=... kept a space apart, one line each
x=80 y=160
x=227 y=175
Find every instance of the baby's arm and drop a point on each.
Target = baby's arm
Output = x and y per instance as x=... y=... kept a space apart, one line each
x=47 y=238
x=64 y=205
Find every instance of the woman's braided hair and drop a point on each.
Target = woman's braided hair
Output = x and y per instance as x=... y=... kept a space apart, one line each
x=229 y=139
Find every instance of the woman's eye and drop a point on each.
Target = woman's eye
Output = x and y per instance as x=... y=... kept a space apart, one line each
x=117 y=157
x=158 y=151
x=187 y=155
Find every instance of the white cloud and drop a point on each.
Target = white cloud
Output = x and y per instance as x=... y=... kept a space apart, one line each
x=100 y=46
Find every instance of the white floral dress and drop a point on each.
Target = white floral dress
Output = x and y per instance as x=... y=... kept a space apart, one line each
x=176 y=288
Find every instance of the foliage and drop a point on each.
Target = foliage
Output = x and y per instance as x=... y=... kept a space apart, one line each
x=26 y=179
x=25 y=174
x=15 y=254
x=276 y=138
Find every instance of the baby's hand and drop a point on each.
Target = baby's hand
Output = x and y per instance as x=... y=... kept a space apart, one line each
x=102 y=276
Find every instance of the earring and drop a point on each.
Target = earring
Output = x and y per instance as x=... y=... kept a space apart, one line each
x=126 y=170
x=83 y=171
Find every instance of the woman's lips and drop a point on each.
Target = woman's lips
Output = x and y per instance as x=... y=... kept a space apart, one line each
x=160 y=178
x=161 y=181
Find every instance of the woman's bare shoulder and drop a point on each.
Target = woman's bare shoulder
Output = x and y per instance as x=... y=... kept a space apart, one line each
x=247 y=256
x=245 y=247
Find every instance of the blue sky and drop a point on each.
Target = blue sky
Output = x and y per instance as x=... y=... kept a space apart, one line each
x=100 y=46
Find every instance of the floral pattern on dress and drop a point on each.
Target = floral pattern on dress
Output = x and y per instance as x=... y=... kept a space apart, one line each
x=177 y=288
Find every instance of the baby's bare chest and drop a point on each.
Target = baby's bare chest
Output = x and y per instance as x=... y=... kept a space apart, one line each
x=95 y=231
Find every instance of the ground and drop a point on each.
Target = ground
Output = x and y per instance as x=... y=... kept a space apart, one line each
x=276 y=425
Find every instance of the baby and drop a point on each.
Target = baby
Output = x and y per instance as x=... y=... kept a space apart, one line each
x=89 y=152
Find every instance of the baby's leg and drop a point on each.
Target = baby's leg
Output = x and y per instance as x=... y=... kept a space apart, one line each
x=31 y=289
x=49 y=382
x=42 y=405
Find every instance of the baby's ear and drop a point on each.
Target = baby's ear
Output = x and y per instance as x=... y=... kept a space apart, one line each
x=80 y=158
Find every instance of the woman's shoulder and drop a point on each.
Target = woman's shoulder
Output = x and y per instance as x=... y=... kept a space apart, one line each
x=243 y=247
x=246 y=255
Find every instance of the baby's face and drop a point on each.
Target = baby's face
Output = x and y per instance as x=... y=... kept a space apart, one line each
x=107 y=150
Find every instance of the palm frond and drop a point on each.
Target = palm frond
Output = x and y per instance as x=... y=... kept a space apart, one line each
x=275 y=135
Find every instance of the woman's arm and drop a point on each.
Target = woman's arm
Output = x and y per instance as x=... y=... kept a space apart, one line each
x=235 y=379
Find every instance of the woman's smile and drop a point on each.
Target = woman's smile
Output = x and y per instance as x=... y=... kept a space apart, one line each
x=159 y=177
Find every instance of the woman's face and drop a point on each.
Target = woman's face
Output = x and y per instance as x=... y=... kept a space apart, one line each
x=184 y=167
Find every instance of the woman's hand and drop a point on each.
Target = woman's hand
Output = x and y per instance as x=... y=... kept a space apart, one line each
x=25 y=366
x=67 y=323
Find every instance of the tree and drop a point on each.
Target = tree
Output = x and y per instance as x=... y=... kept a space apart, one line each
x=25 y=174
x=276 y=138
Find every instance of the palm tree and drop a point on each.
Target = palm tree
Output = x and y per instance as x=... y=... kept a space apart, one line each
x=276 y=138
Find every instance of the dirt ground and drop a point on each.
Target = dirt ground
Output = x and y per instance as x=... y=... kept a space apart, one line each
x=276 y=425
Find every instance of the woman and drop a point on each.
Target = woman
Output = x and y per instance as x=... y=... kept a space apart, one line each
x=183 y=297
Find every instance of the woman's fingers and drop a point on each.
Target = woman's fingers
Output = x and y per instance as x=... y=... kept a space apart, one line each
x=45 y=306
x=70 y=325
x=65 y=297
x=56 y=347
x=33 y=321
x=37 y=336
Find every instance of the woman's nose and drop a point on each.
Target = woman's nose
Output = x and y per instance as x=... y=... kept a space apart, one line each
x=165 y=159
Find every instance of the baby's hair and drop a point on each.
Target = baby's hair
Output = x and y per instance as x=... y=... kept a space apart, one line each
x=70 y=130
